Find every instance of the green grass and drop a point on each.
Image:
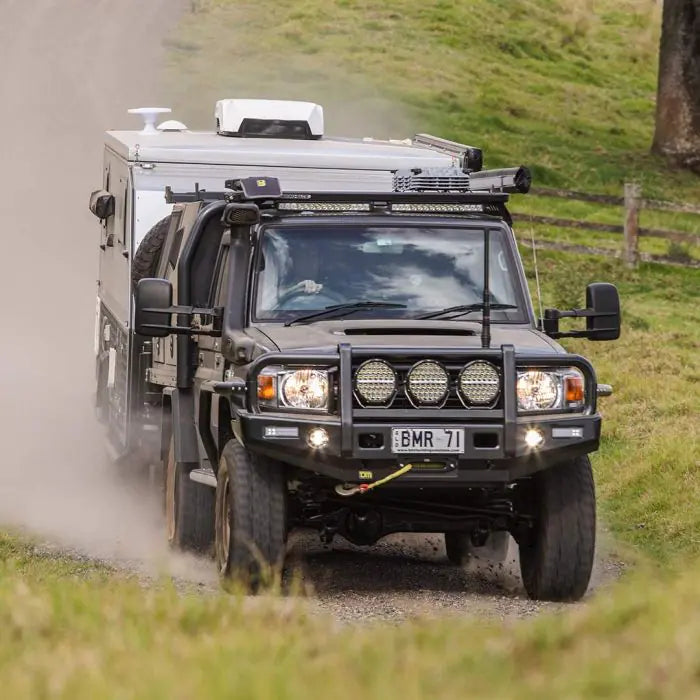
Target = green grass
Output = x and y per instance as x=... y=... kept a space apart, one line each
x=566 y=87
x=68 y=633
x=648 y=467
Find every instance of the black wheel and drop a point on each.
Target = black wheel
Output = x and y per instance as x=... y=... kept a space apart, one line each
x=145 y=262
x=557 y=561
x=189 y=508
x=460 y=549
x=251 y=516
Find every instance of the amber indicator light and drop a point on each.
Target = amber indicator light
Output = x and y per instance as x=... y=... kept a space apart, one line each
x=574 y=389
x=266 y=387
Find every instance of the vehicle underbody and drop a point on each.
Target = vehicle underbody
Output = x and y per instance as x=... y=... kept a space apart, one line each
x=364 y=519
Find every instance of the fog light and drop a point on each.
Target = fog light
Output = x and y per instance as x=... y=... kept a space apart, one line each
x=317 y=438
x=533 y=438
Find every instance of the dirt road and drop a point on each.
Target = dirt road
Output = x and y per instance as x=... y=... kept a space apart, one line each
x=69 y=71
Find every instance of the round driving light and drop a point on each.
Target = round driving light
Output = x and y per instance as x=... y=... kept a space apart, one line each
x=375 y=382
x=428 y=383
x=305 y=388
x=533 y=438
x=317 y=438
x=537 y=391
x=479 y=383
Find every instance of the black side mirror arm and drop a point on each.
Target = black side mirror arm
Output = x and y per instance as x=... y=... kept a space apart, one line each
x=602 y=314
x=550 y=322
x=191 y=311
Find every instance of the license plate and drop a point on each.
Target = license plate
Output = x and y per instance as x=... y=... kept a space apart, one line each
x=420 y=440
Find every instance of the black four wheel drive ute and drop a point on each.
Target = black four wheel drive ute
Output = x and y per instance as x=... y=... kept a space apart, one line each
x=364 y=364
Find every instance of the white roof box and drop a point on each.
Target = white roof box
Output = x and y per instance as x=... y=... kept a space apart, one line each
x=277 y=119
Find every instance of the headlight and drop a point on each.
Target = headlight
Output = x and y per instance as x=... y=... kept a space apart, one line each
x=305 y=388
x=550 y=390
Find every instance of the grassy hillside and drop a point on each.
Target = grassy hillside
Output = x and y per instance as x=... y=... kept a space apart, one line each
x=565 y=86
x=648 y=467
x=68 y=631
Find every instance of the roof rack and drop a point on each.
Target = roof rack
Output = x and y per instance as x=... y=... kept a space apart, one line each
x=295 y=203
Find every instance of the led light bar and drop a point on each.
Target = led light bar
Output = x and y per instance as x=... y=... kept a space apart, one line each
x=324 y=206
x=436 y=207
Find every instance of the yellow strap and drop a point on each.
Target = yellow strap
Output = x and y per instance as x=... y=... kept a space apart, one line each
x=394 y=475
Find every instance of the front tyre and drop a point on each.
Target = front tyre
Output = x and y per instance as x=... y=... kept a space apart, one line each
x=557 y=561
x=251 y=516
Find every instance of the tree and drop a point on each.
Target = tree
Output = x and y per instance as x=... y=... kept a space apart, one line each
x=677 y=134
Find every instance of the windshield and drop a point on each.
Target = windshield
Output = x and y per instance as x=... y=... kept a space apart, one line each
x=301 y=270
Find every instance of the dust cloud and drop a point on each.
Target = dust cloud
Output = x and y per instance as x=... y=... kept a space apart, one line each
x=69 y=71
x=217 y=52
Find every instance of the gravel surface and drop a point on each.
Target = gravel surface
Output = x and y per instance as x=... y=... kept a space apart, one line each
x=407 y=576
x=403 y=577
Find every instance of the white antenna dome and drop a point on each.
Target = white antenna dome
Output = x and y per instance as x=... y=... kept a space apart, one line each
x=172 y=125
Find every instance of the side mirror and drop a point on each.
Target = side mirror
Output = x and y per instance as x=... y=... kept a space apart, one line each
x=102 y=204
x=604 y=323
x=153 y=299
x=602 y=314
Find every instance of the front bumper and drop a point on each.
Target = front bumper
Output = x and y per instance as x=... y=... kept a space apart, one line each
x=494 y=464
x=359 y=440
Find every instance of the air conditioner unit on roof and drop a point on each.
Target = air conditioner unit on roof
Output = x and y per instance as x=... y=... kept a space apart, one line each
x=280 y=119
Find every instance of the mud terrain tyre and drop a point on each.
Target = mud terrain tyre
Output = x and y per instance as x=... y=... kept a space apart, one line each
x=145 y=263
x=251 y=517
x=189 y=508
x=556 y=563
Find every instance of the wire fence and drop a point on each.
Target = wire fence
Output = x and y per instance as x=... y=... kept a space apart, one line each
x=632 y=203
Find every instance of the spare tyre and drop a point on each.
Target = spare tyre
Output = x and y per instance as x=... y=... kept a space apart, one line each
x=145 y=263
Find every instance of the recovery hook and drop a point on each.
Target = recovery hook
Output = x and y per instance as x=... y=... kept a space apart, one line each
x=352 y=489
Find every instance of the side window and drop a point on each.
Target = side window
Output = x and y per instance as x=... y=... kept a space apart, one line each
x=223 y=280
x=217 y=296
x=171 y=249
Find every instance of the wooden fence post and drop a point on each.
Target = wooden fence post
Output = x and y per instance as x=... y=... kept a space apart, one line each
x=633 y=202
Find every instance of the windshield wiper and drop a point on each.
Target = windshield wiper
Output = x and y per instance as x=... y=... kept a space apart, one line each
x=340 y=310
x=464 y=309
